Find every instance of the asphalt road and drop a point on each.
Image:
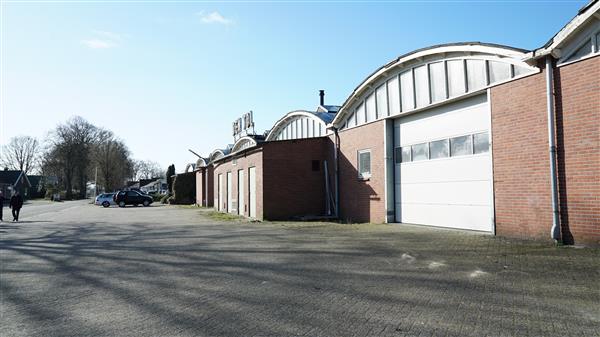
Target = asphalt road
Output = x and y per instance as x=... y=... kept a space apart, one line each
x=74 y=269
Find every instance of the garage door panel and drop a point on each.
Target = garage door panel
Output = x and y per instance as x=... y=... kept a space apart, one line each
x=451 y=192
x=448 y=193
x=453 y=216
x=467 y=116
x=465 y=168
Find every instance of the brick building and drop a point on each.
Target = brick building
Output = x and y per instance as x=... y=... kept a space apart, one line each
x=466 y=135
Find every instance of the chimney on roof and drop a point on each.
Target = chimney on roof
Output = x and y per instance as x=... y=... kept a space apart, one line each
x=322 y=96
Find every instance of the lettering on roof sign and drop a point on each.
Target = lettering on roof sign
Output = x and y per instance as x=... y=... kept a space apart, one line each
x=243 y=124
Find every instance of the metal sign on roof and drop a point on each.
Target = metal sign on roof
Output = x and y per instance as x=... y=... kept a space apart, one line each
x=243 y=125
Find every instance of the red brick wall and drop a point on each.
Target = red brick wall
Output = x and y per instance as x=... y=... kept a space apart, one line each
x=291 y=187
x=521 y=159
x=577 y=89
x=360 y=200
x=200 y=199
x=201 y=175
x=251 y=158
x=522 y=194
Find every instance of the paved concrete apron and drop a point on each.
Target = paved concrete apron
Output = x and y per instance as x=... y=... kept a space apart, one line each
x=84 y=270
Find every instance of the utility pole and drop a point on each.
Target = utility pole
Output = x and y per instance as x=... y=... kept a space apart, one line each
x=96 y=183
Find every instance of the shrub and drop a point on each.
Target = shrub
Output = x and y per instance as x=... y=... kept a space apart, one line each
x=165 y=198
x=184 y=188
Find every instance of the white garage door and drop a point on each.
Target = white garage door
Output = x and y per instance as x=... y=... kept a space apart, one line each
x=443 y=167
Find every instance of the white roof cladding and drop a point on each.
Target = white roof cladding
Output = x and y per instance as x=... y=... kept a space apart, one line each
x=591 y=11
x=302 y=124
x=219 y=153
x=429 y=68
x=243 y=143
x=201 y=162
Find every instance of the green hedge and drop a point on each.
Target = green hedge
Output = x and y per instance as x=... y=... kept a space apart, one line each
x=184 y=189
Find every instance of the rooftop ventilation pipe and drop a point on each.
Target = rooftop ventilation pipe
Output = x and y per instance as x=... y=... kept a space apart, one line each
x=555 y=232
x=322 y=97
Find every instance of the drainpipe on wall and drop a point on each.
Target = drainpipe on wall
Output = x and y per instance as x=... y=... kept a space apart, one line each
x=555 y=232
x=337 y=176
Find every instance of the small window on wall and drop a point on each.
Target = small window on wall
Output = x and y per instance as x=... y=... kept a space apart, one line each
x=438 y=149
x=481 y=142
x=420 y=152
x=461 y=146
x=364 y=164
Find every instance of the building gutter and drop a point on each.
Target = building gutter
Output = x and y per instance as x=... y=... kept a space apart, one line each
x=555 y=232
x=336 y=163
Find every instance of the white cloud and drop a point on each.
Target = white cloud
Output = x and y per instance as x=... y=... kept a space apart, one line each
x=99 y=44
x=214 y=17
x=103 y=40
x=108 y=35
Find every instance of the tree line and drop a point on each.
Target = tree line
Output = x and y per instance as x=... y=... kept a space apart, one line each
x=76 y=152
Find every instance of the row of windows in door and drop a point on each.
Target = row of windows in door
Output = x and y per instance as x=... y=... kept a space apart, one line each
x=450 y=147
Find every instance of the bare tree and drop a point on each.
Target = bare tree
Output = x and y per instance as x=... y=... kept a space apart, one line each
x=68 y=154
x=147 y=169
x=21 y=153
x=112 y=158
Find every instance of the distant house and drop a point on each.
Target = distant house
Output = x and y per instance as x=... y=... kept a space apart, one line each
x=156 y=185
x=37 y=189
x=14 y=180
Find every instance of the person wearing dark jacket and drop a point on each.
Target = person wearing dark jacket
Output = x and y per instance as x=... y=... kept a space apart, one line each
x=16 y=202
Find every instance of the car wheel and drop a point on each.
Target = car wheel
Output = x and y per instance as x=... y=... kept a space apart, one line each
x=106 y=204
x=121 y=203
x=146 y=203
x=135 y=205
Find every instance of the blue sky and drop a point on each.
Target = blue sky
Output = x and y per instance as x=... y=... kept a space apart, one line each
x=166 y=77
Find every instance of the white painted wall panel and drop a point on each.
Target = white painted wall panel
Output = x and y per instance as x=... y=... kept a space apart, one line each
x=476 y=74
x=421 y=86
x=394 y=95
x=499 y=71
x=360 y=114
x=466 y=116
x=408 y=95
x=371 y=108
x=437 y=80
x=382 y=106
x=456 y=78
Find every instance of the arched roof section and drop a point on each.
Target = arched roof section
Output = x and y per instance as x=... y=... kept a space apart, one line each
x=201 y=162
x=430 y=76
x=243 y=143
x=300 y=124
x=218 y=154
x=190 y=167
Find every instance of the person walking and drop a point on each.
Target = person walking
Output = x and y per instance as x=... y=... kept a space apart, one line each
x=16 y=202
x=1 y=204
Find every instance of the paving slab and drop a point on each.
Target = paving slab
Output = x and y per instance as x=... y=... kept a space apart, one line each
x=83 y=270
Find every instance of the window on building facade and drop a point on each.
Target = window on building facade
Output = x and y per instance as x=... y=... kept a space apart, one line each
x=438 y=149
x=364 y=164
x=420 y=152
x=481 y=142
x=461 y=146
